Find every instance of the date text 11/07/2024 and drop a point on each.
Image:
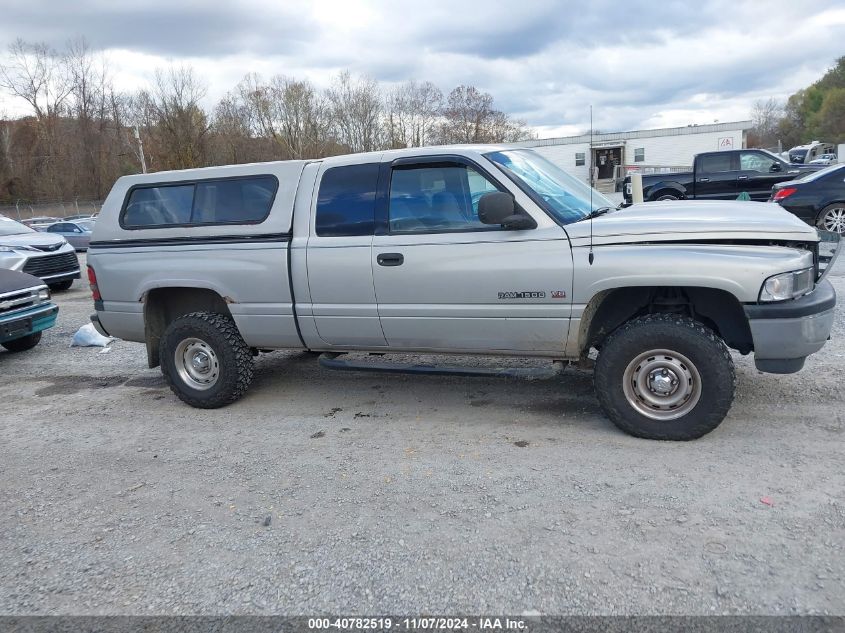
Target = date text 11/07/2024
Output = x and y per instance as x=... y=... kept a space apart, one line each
x=418 y=623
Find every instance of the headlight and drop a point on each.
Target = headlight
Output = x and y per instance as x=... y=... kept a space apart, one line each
x=15 y=249
x=787 y=285
x=44 y=295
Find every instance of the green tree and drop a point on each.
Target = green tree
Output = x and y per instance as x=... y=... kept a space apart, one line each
x=830 y=119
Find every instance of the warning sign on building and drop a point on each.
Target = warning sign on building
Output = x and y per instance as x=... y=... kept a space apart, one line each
x=726 y=142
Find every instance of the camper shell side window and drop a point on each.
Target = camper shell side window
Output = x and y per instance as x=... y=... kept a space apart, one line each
x=206 y=202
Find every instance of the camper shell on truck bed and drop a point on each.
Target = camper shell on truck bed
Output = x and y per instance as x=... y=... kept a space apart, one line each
x=461 y=249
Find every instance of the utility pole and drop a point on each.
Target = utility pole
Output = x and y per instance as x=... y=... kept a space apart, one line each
x=140 y=150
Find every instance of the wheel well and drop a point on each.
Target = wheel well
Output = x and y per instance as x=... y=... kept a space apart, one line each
x=717 y=309
x=665 y=190
x=164 y=305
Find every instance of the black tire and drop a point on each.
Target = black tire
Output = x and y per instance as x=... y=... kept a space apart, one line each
x=686 y=342
x=232 y=359
x=61 y=285
x=837 y=208
x=23 y=344
x=666 y=195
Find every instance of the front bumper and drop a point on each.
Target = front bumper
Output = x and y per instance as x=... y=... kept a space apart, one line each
x=26 y=322
x=785 y=333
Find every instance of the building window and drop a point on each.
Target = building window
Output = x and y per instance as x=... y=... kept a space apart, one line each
x=639 y=155
x=580 y=158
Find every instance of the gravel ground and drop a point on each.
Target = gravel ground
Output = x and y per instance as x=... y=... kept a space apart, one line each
x=340 y=492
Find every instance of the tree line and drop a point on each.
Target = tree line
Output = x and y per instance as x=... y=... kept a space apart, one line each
x=813 y=113
x=81 y=133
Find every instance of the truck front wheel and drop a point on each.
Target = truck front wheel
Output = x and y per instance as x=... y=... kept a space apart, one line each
x=205 y=361
x=665 y=377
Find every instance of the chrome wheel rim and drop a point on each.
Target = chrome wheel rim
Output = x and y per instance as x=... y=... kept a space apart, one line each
x=197 y=364
x=661 y=384
x=667 y=197
x=834 y=220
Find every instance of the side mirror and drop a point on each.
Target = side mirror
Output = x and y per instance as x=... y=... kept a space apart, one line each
x=776 y=167
x=499 y=207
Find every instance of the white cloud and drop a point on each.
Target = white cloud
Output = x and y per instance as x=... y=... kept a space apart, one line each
x=639 y=63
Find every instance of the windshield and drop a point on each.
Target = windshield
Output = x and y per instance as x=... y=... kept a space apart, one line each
x=10 y=227
x=86 y=225
x=565 y=197
x=815 y=175
x=797 y=155
x=774 y=156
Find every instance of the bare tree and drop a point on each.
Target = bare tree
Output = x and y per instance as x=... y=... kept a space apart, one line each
x=180 y=122
x=765 y=116
x=90 y=106
x=291 y=112
x=413 y=110
x=469 y=117
x=356 y=108
x=37 y=74
x=465 y=115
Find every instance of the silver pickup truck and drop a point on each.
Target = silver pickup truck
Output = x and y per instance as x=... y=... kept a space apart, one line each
x=457 y=250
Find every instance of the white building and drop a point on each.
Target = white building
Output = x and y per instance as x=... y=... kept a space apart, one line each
x=615 y=154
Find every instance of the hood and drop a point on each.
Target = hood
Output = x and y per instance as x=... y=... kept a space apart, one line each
x=12 y=281
x=685 y=220
x=42 y=241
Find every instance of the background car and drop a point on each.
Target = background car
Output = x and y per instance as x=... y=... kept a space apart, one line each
x=48 y=257
x=40 y=222
x=824 y=159
x=78 y=234
x=817 y=198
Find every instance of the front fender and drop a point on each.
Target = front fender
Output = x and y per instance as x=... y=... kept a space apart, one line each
x=737 y=269
x=663 y=185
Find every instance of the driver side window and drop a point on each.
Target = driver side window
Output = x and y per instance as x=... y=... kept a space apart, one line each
x=754 y=161
x=437 y=198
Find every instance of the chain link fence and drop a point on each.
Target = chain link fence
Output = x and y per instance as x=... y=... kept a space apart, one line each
x=23 y=210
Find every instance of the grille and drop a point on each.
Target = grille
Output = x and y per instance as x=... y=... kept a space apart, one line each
x=51 y=264
x=48 y=247
x=16 y=301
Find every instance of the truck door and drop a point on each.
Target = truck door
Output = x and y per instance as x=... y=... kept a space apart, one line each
x=758 y=173
x=342 y=300
x=715 y=176
x=446 y=281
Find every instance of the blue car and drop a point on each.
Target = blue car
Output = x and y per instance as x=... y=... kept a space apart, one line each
x=25 y=310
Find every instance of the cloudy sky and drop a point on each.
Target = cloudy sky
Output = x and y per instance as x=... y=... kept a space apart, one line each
x=640 y=63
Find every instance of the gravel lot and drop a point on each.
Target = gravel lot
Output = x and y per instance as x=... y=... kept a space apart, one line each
x=340 y=492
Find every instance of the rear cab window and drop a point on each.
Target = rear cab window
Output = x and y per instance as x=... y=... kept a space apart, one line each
x=241 y=200
x=715 y=163
x=346 y=200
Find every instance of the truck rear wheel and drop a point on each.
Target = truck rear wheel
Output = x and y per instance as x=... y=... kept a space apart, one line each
x=665 y=377
x=205 y=361
x=24 y=343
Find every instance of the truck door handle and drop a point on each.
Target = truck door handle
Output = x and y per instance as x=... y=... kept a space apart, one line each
x=703 y=180
x=390 y=259
x=742 y=177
